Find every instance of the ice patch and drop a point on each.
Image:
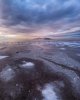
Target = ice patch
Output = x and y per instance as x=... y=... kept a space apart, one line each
x=64 y=59
x=27 y=65
x=7 y=74
x=49 y=93
x=62 y=44
x=69 y=44
x=2 y=57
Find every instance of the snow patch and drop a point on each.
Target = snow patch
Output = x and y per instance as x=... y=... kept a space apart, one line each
x=7 y=74
x=2 y=57
x=27 y=65
x=49 y=93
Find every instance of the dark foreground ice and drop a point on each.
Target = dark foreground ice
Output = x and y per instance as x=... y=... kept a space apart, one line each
x=40 y=71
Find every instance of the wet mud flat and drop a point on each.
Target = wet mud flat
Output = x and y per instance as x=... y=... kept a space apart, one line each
x=32 y=73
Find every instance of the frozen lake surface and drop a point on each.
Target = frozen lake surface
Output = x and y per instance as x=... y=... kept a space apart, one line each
x=40 y=71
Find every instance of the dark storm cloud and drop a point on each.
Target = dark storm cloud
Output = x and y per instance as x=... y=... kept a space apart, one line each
x=40 y=12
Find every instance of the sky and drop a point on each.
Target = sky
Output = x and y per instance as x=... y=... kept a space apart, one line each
x=38 y=18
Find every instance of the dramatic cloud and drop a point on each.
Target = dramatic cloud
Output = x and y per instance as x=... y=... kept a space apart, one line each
x=29 y=16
